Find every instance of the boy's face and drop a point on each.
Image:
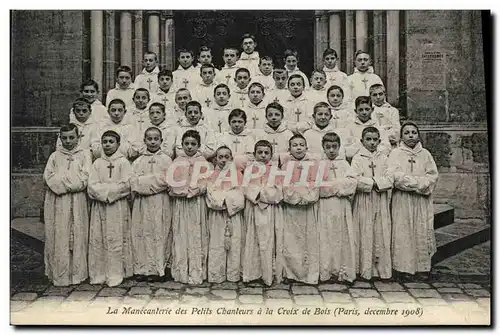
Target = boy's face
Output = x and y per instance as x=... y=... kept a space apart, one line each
x=207 y=75
x=274 y=117
x=318 y=80
x=221 y=96
x=223 y=156
x=242 y=79
x=378 y=96
x=371 y=141
x=364 y=112
x=193 y=115
x=331 y=149
x=82 y=112
x=266 y=67
x=410 y=136
x=190 y=145
x=182 y=98
x=141 y=99
x=116 y=112
x=153 y=140
x=230 y=57
x=291 y=62
x=165 y=82
x=296 y=87
x=330 y=61
x=149 y=62
x=237 y=124
x=185 y=59
x=156 y=115
x=69 y=139
x=263 y=154
x=205 y=57
x=89 y=93
x=280 y=79
x=322 y=116
x=248 y=45
x=109 y=145
x=256 y=94
x=335 y=98
x=363 y=62
x=298 y=148
x=123 y=79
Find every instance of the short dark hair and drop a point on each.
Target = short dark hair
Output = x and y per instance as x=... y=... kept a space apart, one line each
x=69 y=127
x=266 y=58
x=151 y=53
x=142 y=89
x=248 y=35
x=192 y=133
x=293 y=76
x=153 y=128
x=263 y=143
x=330 y=51
x=223 y=147
x=89 y=82
x=320 y=71
x=294 y=137
x=335 y=87
x=111 y=133
x=237 y=113
x=330 y=137
x=277 y=106
x=207 y=66
x=370 y=130
x=241 y=69
x=375 y=86
x=82 y=101
x=320 y=104
x=194 y=103
x=222 y=86
x=290 y=52
x=158 y=104
x=363 y=99
x=123 y=68
x=117 y=101
x=258 y=85
x=165 y=73
x=184 y=51
x=359 y=52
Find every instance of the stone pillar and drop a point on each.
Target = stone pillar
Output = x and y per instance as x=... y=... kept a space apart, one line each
x=154 y=32
x=110 y=57
x=335 y=37
x=379 y=44
x=321 y=36
x=162 y=56
x=392 y=41
x=96 y=48
x=361 y=30
x=169 y=40
x=138 y=42
x=126 y=38
x=350 y=41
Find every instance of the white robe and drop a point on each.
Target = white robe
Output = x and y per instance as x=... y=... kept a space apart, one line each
x=298 y=111
x=138 y=119
x=240 y=144
x=302 y=74
x=216 y=117
x=99 y=112
x=335 y=225
x=147 y=80
x=151 y=214
x=316 y=96
x=226 y=76
x=372 y=215
x=207 y=138
x=204 y=94
x=263 y=251
x=266 y=81
x=300 y=229
x=413 y=239
x=225 y=223
x=165 y=98
x=186 y=78
x=387 y=118
x=360 y=82
x=279 y=138
x=168 y=135
x=130 y=141
x=355 y=131
x=314 y=136
x=189 y=225
x=239 y=97
x=127 y=95
x=249 y=62
x=336 y=77
x=278 y=95
x=87 y=132
x=110 y=246
x=256 y=114
x=66 y=216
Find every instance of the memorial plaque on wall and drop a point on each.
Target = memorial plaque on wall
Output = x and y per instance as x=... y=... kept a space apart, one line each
x=433 y=76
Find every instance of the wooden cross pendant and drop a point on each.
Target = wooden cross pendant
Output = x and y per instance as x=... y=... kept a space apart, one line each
x=411 y=161
x=364 y=82
x=151 y=162
x=149 y=84
x=110 y=167
x=372 y=166
x=236 y=142
x=208 y=101
x=298 y=112
x=70 y=159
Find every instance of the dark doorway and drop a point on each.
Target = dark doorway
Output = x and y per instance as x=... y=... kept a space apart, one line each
x=275 y=31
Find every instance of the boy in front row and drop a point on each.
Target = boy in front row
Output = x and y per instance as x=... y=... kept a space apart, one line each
x=151 y=211
x=110 y=245
x=371 y=208
x=66 y=214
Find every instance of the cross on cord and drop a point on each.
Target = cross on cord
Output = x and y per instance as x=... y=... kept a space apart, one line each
x=149 y=84
x=70 y=159
x=208 y=101
x=364 y=80
x=276 y=99
x=236 y=142
x=151 y=162
x=372 y=166
x=141 y=122
x=242 y=99
x=227 y=79
x=274 y=143
x=185 y=82
x=164 y=100
x=110 y=167
x=411 y=161
x=298 y=112
x=333 y=168
x=255 y=118
x=220 y=124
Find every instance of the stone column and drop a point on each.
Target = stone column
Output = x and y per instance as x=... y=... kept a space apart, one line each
x=138 y=42
x=321 y=36
x=379 y=44
x=361 y=30
x=162 y=56
x=126 y=38
x=96 y=48
x=110 y=57
x=392 y=41
x=335 y=37
x=154 y=32
x=169 y=40
x=350 y=41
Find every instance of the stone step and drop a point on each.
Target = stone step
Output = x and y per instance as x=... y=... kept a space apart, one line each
x=460 y=236
x=444 y=215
